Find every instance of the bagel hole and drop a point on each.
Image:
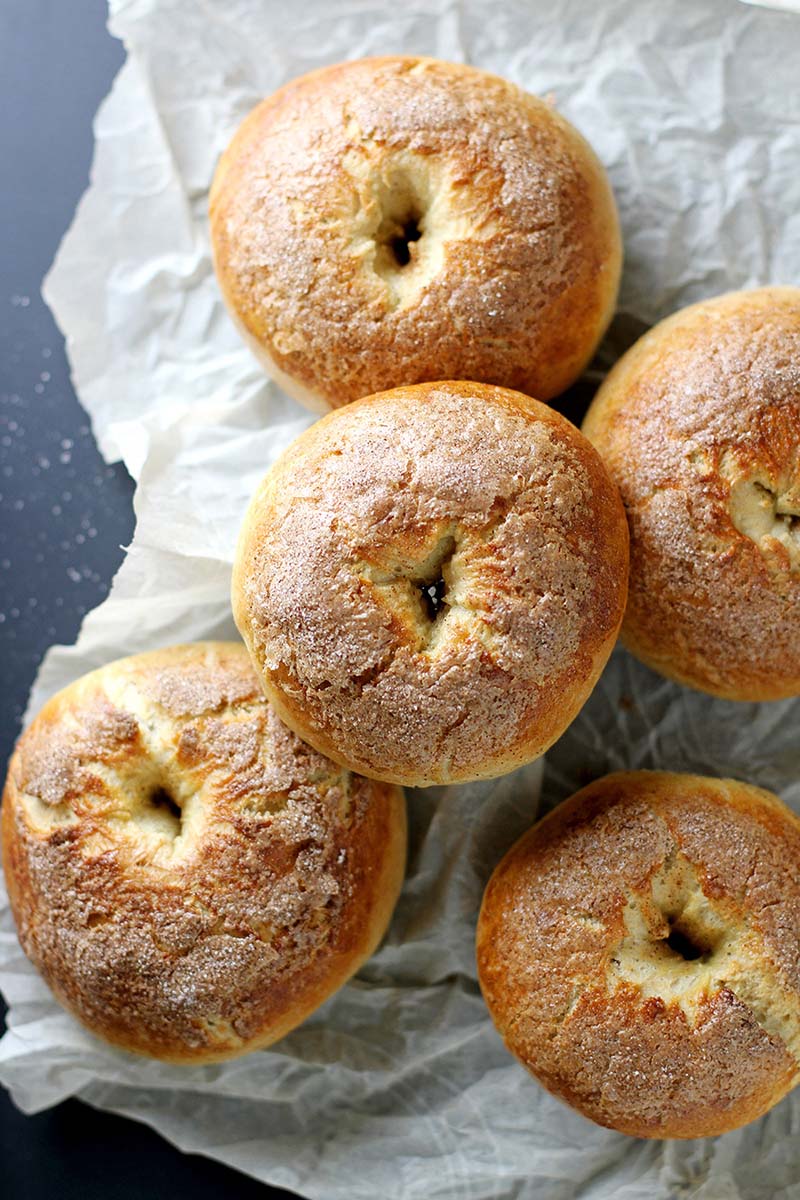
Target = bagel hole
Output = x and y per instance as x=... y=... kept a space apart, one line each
x=400 y=244
x=168 y=809
x=401 y=226
x=433 y=595
x=764 y=509
x=430 y=578
x=684 y=946
x=691 y=939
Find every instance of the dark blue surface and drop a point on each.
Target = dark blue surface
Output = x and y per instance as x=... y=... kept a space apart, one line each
x=64 y=516
x=63 y=513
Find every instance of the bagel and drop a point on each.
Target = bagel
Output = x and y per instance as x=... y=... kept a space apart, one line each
x=431 y=580
x=699 y=426
x=639 y=952
x=394 y=220
x=190 y=879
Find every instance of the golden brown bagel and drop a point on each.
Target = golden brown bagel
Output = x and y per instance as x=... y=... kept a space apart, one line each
x=639 y=951
x=394 y=220
x=190 y=879
x=699 y=425
x=431 y=580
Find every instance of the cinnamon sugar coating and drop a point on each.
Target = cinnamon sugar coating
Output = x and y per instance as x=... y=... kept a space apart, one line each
x=394 y=220
x=639 y=951
x=431 y=580
x=191 y=879
x=699 y=426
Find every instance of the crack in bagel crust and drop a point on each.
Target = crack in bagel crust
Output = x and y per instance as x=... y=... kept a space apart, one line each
x=639 y=951
x=402 y=192
x=189 y=877
x=417 y=595
x=397 y=219
x=489 y=498
x=721 y=958
x=699 y=425
x=766 y=509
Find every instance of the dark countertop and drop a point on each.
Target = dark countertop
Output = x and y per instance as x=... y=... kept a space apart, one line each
x=64 y=517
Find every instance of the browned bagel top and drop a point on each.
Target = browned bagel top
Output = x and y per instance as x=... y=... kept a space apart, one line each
x=189 y=876
x=699 y=425
x=639 y=950
x=400 y=219
x=431 y=579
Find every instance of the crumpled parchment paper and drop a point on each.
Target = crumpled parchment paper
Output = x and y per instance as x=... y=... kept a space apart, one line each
x=399 y=1085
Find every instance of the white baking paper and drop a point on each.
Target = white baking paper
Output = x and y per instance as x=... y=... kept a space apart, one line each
x=399 y=1087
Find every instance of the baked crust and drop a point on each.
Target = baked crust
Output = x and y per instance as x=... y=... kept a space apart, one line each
x=699 y=425
x=484 y=494
x=588 y=993
x=196 y=927
x=512 y=281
